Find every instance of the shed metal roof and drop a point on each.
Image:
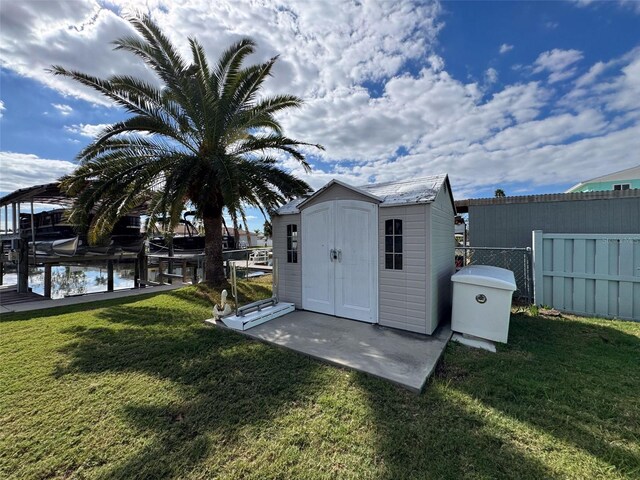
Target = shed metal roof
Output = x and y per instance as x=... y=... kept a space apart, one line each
x=291 y=207
x=403 y=192
x=415 y=190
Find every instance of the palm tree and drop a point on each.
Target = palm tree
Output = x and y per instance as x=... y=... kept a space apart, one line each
x=204 y=137
x=267 y=229
x=499 y=193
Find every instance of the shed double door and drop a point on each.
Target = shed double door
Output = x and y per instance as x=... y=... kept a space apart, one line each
x=339 y=259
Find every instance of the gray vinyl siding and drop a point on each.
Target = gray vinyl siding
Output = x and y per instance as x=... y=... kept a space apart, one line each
x=290 y=281
x=442 y=259
x=511 y=224
x=338 y=192
x=402 y=294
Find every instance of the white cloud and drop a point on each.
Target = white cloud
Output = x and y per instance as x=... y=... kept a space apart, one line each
x=35 y=35
x=20 y=170
x=326 y=55
x=617 y=89
x=549 y=131
x=501 y=140
x=633 y=5
x=86 y=130
x=622 y=93
x=321 y=47
x=505 y=47
x=437 y=62
x=62 y=109
x=551 y=25
x=559 y=63
x=2 y=108
x=491 y=76
x=588 y=78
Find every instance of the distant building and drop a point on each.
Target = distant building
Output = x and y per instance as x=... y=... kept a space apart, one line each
x=624 y=180
x=248 y=239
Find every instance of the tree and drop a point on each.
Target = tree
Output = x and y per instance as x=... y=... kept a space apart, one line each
x=204 y=137
x=268 y=231
x=500 y=193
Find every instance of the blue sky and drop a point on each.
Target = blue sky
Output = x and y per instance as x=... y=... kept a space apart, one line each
x=530 y=97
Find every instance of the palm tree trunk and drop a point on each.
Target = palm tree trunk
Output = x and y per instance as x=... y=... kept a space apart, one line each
x=224 y=224
x=214 y=269
x=246 y=229
x=236 y=233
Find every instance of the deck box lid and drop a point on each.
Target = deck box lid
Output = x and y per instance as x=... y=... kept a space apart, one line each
x=486 y=276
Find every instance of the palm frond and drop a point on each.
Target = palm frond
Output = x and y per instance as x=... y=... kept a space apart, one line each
x=230 y=63
x=205 y=138
x=156 y=49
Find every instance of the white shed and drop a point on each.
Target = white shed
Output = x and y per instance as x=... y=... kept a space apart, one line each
x=378 y=253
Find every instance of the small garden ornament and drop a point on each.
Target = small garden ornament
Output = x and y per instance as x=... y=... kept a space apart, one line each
x=223 y=309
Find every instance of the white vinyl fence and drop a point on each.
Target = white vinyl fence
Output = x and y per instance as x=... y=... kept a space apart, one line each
x=588 y=274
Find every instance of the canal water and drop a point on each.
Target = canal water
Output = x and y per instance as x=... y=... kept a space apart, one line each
x=79 y=280
x=75 y=280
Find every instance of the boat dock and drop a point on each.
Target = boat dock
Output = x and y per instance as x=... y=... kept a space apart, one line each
x=191 y=265
x=9 y=296
x=25 y=254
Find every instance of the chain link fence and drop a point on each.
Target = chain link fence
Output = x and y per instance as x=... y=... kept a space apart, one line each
x=518 y=260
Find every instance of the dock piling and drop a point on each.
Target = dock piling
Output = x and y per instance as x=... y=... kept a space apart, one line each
x=47 y=280
x=23 y=265
x=109 y=275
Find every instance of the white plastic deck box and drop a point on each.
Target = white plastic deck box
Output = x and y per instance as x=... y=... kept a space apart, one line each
x=482 y=301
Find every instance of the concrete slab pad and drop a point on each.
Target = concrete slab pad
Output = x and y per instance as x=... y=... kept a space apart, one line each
x=404 y=358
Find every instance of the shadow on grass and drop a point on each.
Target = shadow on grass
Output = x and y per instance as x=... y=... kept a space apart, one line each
x=225 y=382
x=202 y=293
x=248 y=291
x=434 y=437
x=483 y=416
x=79 y=307
x=575 y=381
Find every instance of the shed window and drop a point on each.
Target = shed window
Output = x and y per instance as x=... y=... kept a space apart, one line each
x=292 y=243
x=393 y=244
x=622 y=186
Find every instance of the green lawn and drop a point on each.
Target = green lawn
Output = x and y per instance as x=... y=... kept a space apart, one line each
x=140 y=388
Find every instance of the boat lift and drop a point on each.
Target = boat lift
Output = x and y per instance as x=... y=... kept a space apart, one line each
x=21 y=249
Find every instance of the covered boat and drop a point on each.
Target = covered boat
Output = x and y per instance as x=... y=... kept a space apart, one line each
x=186 y=239
x=54 y=235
